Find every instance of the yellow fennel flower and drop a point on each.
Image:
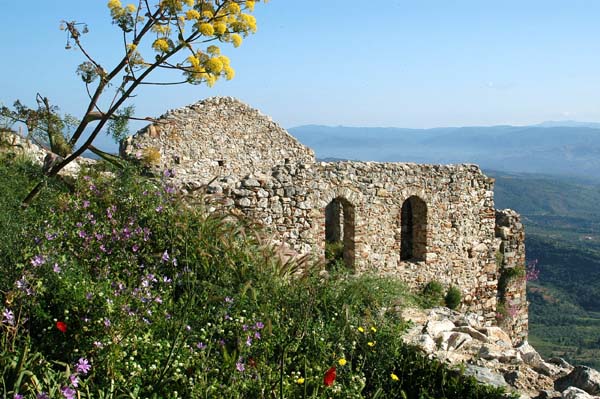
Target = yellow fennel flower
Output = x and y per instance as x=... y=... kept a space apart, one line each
x=250 y=5
x=213 y=50
x=194 y=61
x=229 y=72
x=112 y=4
x=342 y=362
x=190 y=3
x=192 y=14
x=161 y=45
x=394 y=377
x=234 y=8
x=207 y=14
x=236 y=40
x=220 y=28
x=214 y=65
x=206 y=29
x=130 y=8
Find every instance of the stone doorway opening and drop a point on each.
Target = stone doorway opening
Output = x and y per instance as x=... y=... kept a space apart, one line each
x=413 y=222
x=339 y=231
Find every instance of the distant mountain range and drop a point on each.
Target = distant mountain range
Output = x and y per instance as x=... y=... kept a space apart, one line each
x=566 y=148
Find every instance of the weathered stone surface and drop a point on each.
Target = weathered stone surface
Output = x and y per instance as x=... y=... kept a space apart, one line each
x=434 y=328
x=576 y=393
x=581 y=377
x=485 y=376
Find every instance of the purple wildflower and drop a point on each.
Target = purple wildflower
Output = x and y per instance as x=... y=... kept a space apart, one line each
x=135 y=248
x=107 y=322
x=239 y=366
x=83 y=366
x=74 y=380
x=248 y=341
x=165 y=256
x=42 y=395
x=257 y=335
x=8 y=317
x=18 y=396
x=68 y=392
x=200 y=345
x=56 y=268
x=86 y=203
x=159 y=208
x=38 y=260
x=98 y=344
x=260 y=325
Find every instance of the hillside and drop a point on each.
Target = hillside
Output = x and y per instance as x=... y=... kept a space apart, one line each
x=563 y=234
x=557 y=150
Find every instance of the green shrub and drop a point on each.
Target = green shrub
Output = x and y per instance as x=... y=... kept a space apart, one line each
x=453 y=297
x=433 y=294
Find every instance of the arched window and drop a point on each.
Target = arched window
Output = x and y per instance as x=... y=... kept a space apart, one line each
x=339 y=231
x=413 y=222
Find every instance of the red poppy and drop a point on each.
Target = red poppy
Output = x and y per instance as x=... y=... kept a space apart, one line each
x=62 y=327
x=329 y=377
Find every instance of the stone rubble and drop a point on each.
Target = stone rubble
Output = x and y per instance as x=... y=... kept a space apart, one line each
x=487 y=353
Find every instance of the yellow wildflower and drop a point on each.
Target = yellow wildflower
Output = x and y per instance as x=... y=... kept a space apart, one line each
x=360 y=329
x=225 y=60
x=371 y=343
x=190 y=3
x=300 y=381
x=112 y=4
x=342 y=362
x=161 y=45
x=250 y=5
x=220 y=28
x=394 y=377
x=206 y=29
x=229 y=72
x=192 y=14
x=194 y=61
x=214 y=65
x=210 y=80
x=373 y=329
x=213 y=50
x=234 y=8
x=130 y=8
x=236 y=40
x=131 y=47
x=207 y=14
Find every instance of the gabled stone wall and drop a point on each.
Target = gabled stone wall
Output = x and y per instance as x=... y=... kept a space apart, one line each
x=417 y=222
x=216 y=137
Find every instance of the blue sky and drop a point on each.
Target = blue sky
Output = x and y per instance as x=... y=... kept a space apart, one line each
x=397 y=63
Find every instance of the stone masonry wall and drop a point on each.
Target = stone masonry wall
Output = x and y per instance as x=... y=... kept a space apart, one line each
x=459 y=223
x=215 y=138
x=416 y=222
x=512 y=293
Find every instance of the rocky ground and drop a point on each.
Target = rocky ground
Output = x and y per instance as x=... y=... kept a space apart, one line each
x=487 y=354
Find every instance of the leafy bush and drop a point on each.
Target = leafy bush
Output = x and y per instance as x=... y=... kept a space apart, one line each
x=453 y=297
x=433 y=294
x=123 y=291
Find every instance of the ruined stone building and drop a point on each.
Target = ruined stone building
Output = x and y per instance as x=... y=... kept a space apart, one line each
x=417 y=222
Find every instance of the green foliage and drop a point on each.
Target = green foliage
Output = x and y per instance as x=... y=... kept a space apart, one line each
x=433 y=294
x=453 y=297
x=168 y=301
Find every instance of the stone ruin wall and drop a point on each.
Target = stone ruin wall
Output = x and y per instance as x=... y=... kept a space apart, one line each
x=460 y=248
x=512 y=291
x=260 y=171
x=215 y=137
